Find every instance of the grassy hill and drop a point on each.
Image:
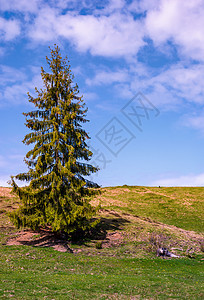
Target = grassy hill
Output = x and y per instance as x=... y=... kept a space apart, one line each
x=118 y=260
x=182 y=207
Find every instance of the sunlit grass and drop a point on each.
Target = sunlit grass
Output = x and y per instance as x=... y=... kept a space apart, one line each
x=129 y=270
x=181 y=207
x=36 y=273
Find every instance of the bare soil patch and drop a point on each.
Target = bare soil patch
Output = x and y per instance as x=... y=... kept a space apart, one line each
x=43 y=238
x=119 y=228
x=6 y=192
x=113 y=239
x=46 y=238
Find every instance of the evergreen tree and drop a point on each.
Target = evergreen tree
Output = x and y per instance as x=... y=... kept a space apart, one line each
x=58 y=194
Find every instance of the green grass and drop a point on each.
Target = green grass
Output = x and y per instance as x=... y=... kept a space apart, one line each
x=142 y=217
x=182 y=207
x=37 y=273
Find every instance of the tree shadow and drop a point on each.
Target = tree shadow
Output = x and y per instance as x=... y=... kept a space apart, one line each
x=101 y=230
x=46 y=238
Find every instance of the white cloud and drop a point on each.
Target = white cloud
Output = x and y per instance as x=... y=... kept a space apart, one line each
x=167 y=90
x=9 y=29
x=124 y=91
x=43 y=29
x=170 y=87
x=116 y=35
x=142 y=6
x=77 y=70
x=108 y=77
x=112 y=6
x=194 y=121
x=10 y=75
x=63 y=3
x=17 y=93
x=113 y=30
x=14 y=85
x=89 y=96
x=181 y=22
x=188 y=180
x=20 y=5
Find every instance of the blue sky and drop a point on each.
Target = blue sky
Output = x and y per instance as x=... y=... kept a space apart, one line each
x=139 y=66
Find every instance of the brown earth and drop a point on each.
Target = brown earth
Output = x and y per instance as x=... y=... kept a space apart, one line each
x=114 y=235
x=6 y=192
x=43 y=238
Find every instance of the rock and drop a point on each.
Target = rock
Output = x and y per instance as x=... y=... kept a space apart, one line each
x=164 y=252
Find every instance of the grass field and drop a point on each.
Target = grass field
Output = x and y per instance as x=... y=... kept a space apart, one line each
x=134 y=222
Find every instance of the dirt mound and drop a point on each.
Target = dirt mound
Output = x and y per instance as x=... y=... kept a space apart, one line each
x=44 y=238
x=113 y=239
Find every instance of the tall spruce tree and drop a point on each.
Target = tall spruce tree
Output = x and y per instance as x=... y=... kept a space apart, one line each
x=58 y=194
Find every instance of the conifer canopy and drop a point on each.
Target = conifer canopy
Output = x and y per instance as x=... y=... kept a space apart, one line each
x=58 y=193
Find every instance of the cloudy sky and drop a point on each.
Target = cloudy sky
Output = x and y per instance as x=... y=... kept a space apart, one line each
x=140 y=68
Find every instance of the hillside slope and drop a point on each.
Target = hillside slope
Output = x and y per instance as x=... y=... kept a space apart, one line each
x=116 y=261
x=135 y=221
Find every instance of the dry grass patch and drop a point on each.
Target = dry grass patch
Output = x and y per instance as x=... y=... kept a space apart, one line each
x=124 y=226
x=6 y=193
